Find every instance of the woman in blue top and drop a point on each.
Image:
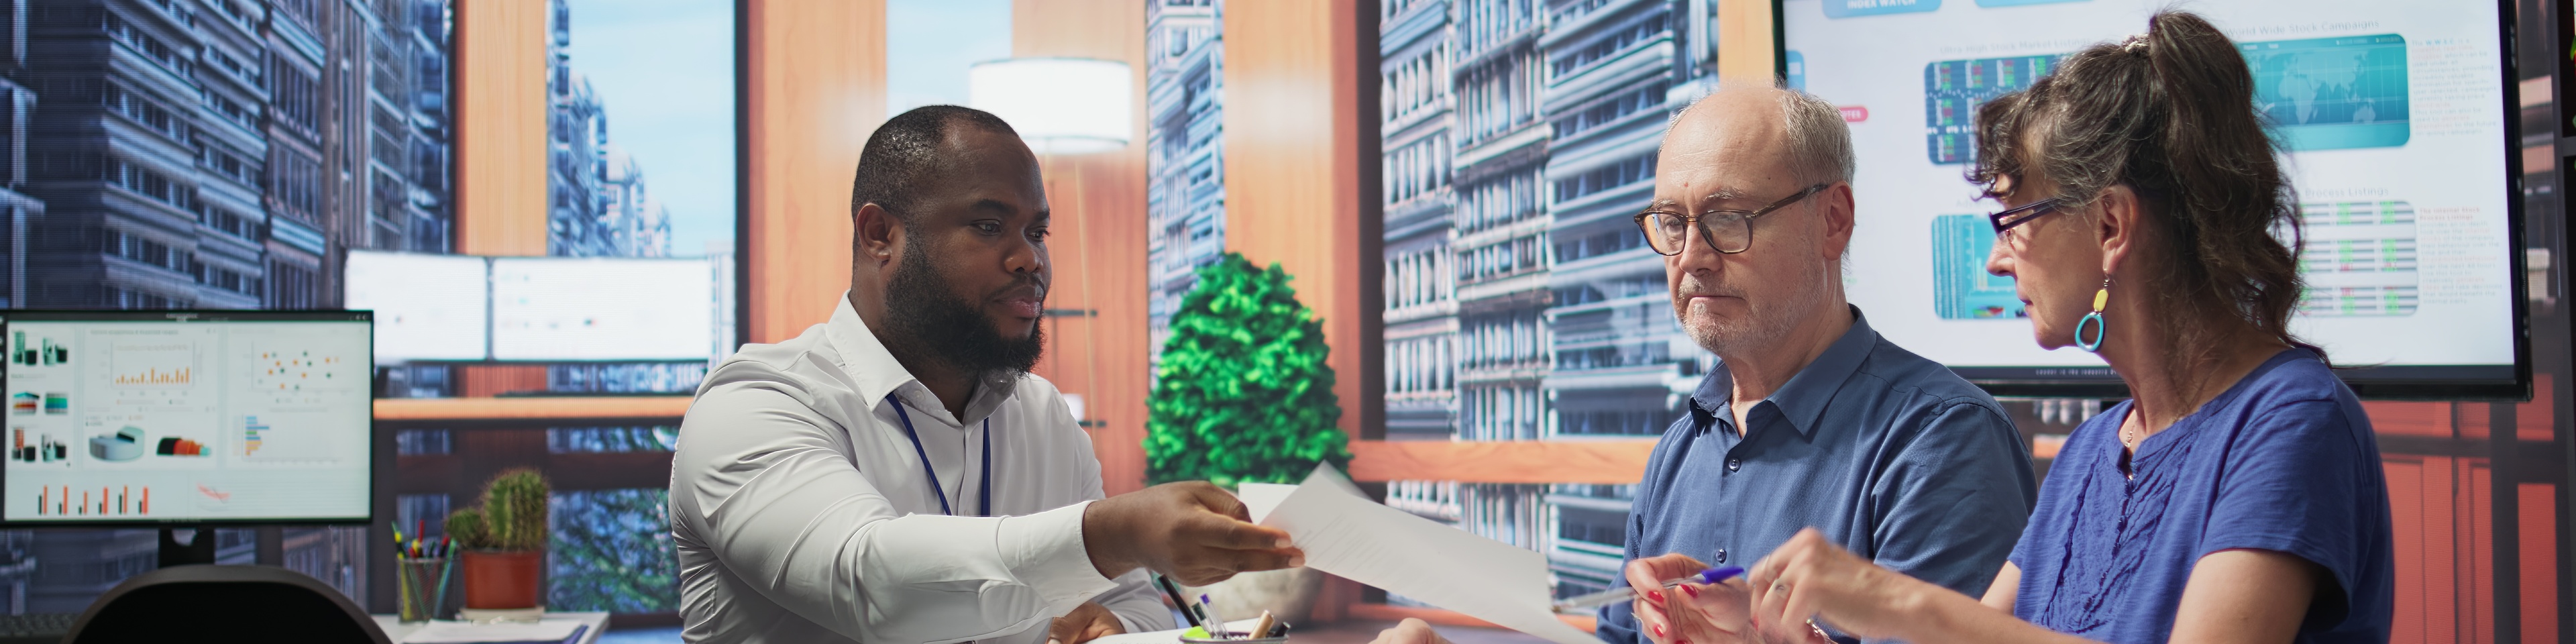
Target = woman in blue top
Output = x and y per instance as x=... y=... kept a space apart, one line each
x=2238 y=497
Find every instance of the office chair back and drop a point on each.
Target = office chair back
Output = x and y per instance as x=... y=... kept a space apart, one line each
x=206 y=603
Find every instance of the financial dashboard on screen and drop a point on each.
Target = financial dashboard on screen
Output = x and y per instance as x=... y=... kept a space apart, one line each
x=186 y=417
x=2393 y=115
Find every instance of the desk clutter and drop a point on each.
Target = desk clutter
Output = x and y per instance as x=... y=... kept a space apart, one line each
x=549 y=628
x=544 y=631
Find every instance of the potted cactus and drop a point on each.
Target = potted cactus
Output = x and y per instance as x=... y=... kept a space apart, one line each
x=503 y=543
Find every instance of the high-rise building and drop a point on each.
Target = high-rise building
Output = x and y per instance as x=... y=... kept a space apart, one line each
x=1495 y=156
x=1421 y=315
x=213 y=154
x=597 y=202
x=1622 y=366
x=1185 y=152
x=1519 y=138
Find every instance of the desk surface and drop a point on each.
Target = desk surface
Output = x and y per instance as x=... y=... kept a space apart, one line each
x=395 y=630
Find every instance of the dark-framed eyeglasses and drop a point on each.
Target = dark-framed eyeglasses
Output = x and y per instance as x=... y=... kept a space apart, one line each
x=2019 y=215
x=1727 y=231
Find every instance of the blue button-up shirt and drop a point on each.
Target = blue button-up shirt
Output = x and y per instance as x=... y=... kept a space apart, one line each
x=1891 y=455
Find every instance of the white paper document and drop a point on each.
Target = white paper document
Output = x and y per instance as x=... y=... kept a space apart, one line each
x=1174 y=636
x=550 y=631
x=1345 y=533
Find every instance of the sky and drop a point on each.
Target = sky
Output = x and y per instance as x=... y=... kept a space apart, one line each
x=929 y=44
x=664 y=71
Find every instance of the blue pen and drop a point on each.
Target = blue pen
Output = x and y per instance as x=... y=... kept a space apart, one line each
x=1616 y=595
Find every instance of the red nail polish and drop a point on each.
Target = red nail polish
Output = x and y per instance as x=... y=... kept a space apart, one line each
x=1693 y=592
x=1659 y=631
x=1656 y=596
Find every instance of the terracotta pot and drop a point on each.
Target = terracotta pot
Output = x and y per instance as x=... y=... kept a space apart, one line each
x=504 y=580
x=1288 y=594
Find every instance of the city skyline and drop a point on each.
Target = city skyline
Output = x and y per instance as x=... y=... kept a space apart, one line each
x=663 y=72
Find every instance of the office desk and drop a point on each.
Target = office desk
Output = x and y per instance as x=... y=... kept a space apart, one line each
x=597 y=622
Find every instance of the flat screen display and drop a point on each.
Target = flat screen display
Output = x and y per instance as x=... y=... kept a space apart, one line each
x=585 y=309
x=2393 y=115
x=186 y=417
x=428 y=307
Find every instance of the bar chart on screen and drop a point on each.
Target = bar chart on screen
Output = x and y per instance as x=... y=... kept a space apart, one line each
x=289 y=439
x=152 y=364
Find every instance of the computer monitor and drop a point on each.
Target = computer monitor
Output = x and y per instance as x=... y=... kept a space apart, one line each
x=2398 y=127
x=186 y=418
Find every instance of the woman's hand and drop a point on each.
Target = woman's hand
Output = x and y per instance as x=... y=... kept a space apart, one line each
x=1647 y=576
x=1809 y=577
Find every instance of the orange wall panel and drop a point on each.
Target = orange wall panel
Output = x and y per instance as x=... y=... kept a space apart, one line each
x=500 y=127
x=2538 y=507
x=816 y=85
x=1744 y=43
x=1294 y=167
x=1099 y=240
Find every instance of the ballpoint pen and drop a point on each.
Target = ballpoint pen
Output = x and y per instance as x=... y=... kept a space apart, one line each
x=1188 y=612
x=1616 y=595
x=1215 y=623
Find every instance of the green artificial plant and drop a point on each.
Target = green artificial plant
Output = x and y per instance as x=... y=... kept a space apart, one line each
x=1243 y=394
x=512 y=516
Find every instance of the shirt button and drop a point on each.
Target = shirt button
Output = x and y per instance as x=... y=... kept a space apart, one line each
x=1721 y=555
x=1734 y=464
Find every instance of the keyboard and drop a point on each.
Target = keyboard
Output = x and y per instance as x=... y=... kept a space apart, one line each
x=32 y=628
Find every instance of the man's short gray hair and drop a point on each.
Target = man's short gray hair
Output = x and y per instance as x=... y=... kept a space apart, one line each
x=1820 y=149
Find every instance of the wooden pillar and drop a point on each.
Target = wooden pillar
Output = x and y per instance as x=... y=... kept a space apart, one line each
x=500 y=127
x=814 y=85
x=1097 y=345
x=1301 y=163
x=1747 y=33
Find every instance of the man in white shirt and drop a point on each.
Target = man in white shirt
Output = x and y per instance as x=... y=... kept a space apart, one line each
x=896 y=474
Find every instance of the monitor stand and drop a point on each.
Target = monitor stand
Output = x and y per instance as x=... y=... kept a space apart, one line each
x=197 y=547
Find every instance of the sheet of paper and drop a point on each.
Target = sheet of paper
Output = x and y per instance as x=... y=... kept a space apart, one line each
x=550 y=631
x=1174 y=636
x=1347 y=534
x=1260 y=498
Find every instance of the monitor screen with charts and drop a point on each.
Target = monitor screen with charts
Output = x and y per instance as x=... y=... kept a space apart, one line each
x=186 y=417
x=2392 y=117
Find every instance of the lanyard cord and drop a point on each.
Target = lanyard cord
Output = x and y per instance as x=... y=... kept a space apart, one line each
x=983 y=493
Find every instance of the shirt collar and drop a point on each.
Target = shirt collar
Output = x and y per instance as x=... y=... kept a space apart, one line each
x=1804 y=397
x=876 y=373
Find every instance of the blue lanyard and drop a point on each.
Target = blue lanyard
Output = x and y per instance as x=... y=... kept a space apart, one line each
x=984 y=492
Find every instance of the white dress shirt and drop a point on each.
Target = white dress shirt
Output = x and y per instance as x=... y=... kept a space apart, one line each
x=802 y=513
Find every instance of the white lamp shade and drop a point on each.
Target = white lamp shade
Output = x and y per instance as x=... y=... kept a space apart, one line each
x=1058 y=105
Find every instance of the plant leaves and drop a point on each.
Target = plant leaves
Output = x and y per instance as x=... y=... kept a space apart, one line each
x=1244 y=393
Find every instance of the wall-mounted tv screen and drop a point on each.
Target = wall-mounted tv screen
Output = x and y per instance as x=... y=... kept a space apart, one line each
x=2395 y=121
x=580 y=309
x=428 y=307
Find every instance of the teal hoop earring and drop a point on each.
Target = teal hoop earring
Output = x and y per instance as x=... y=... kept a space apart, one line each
x=2101 y=298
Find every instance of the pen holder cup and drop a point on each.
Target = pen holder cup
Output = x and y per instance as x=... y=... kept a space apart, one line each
x=422 y=584
x=1254 y=640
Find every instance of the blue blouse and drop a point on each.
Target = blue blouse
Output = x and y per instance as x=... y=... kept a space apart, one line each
x=2283 y=461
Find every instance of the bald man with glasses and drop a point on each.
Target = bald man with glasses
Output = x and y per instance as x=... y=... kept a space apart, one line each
x=1810 y=418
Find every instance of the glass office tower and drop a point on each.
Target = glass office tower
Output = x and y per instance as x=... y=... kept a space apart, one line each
x=1519 y=136
x=210 y=154
x=1185 y=152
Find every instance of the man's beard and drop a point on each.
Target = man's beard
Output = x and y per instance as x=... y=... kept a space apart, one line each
x=1763 y=324
x=921 y=305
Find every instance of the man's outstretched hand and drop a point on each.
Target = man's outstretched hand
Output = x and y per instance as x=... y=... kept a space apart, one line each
x=1193 y=532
